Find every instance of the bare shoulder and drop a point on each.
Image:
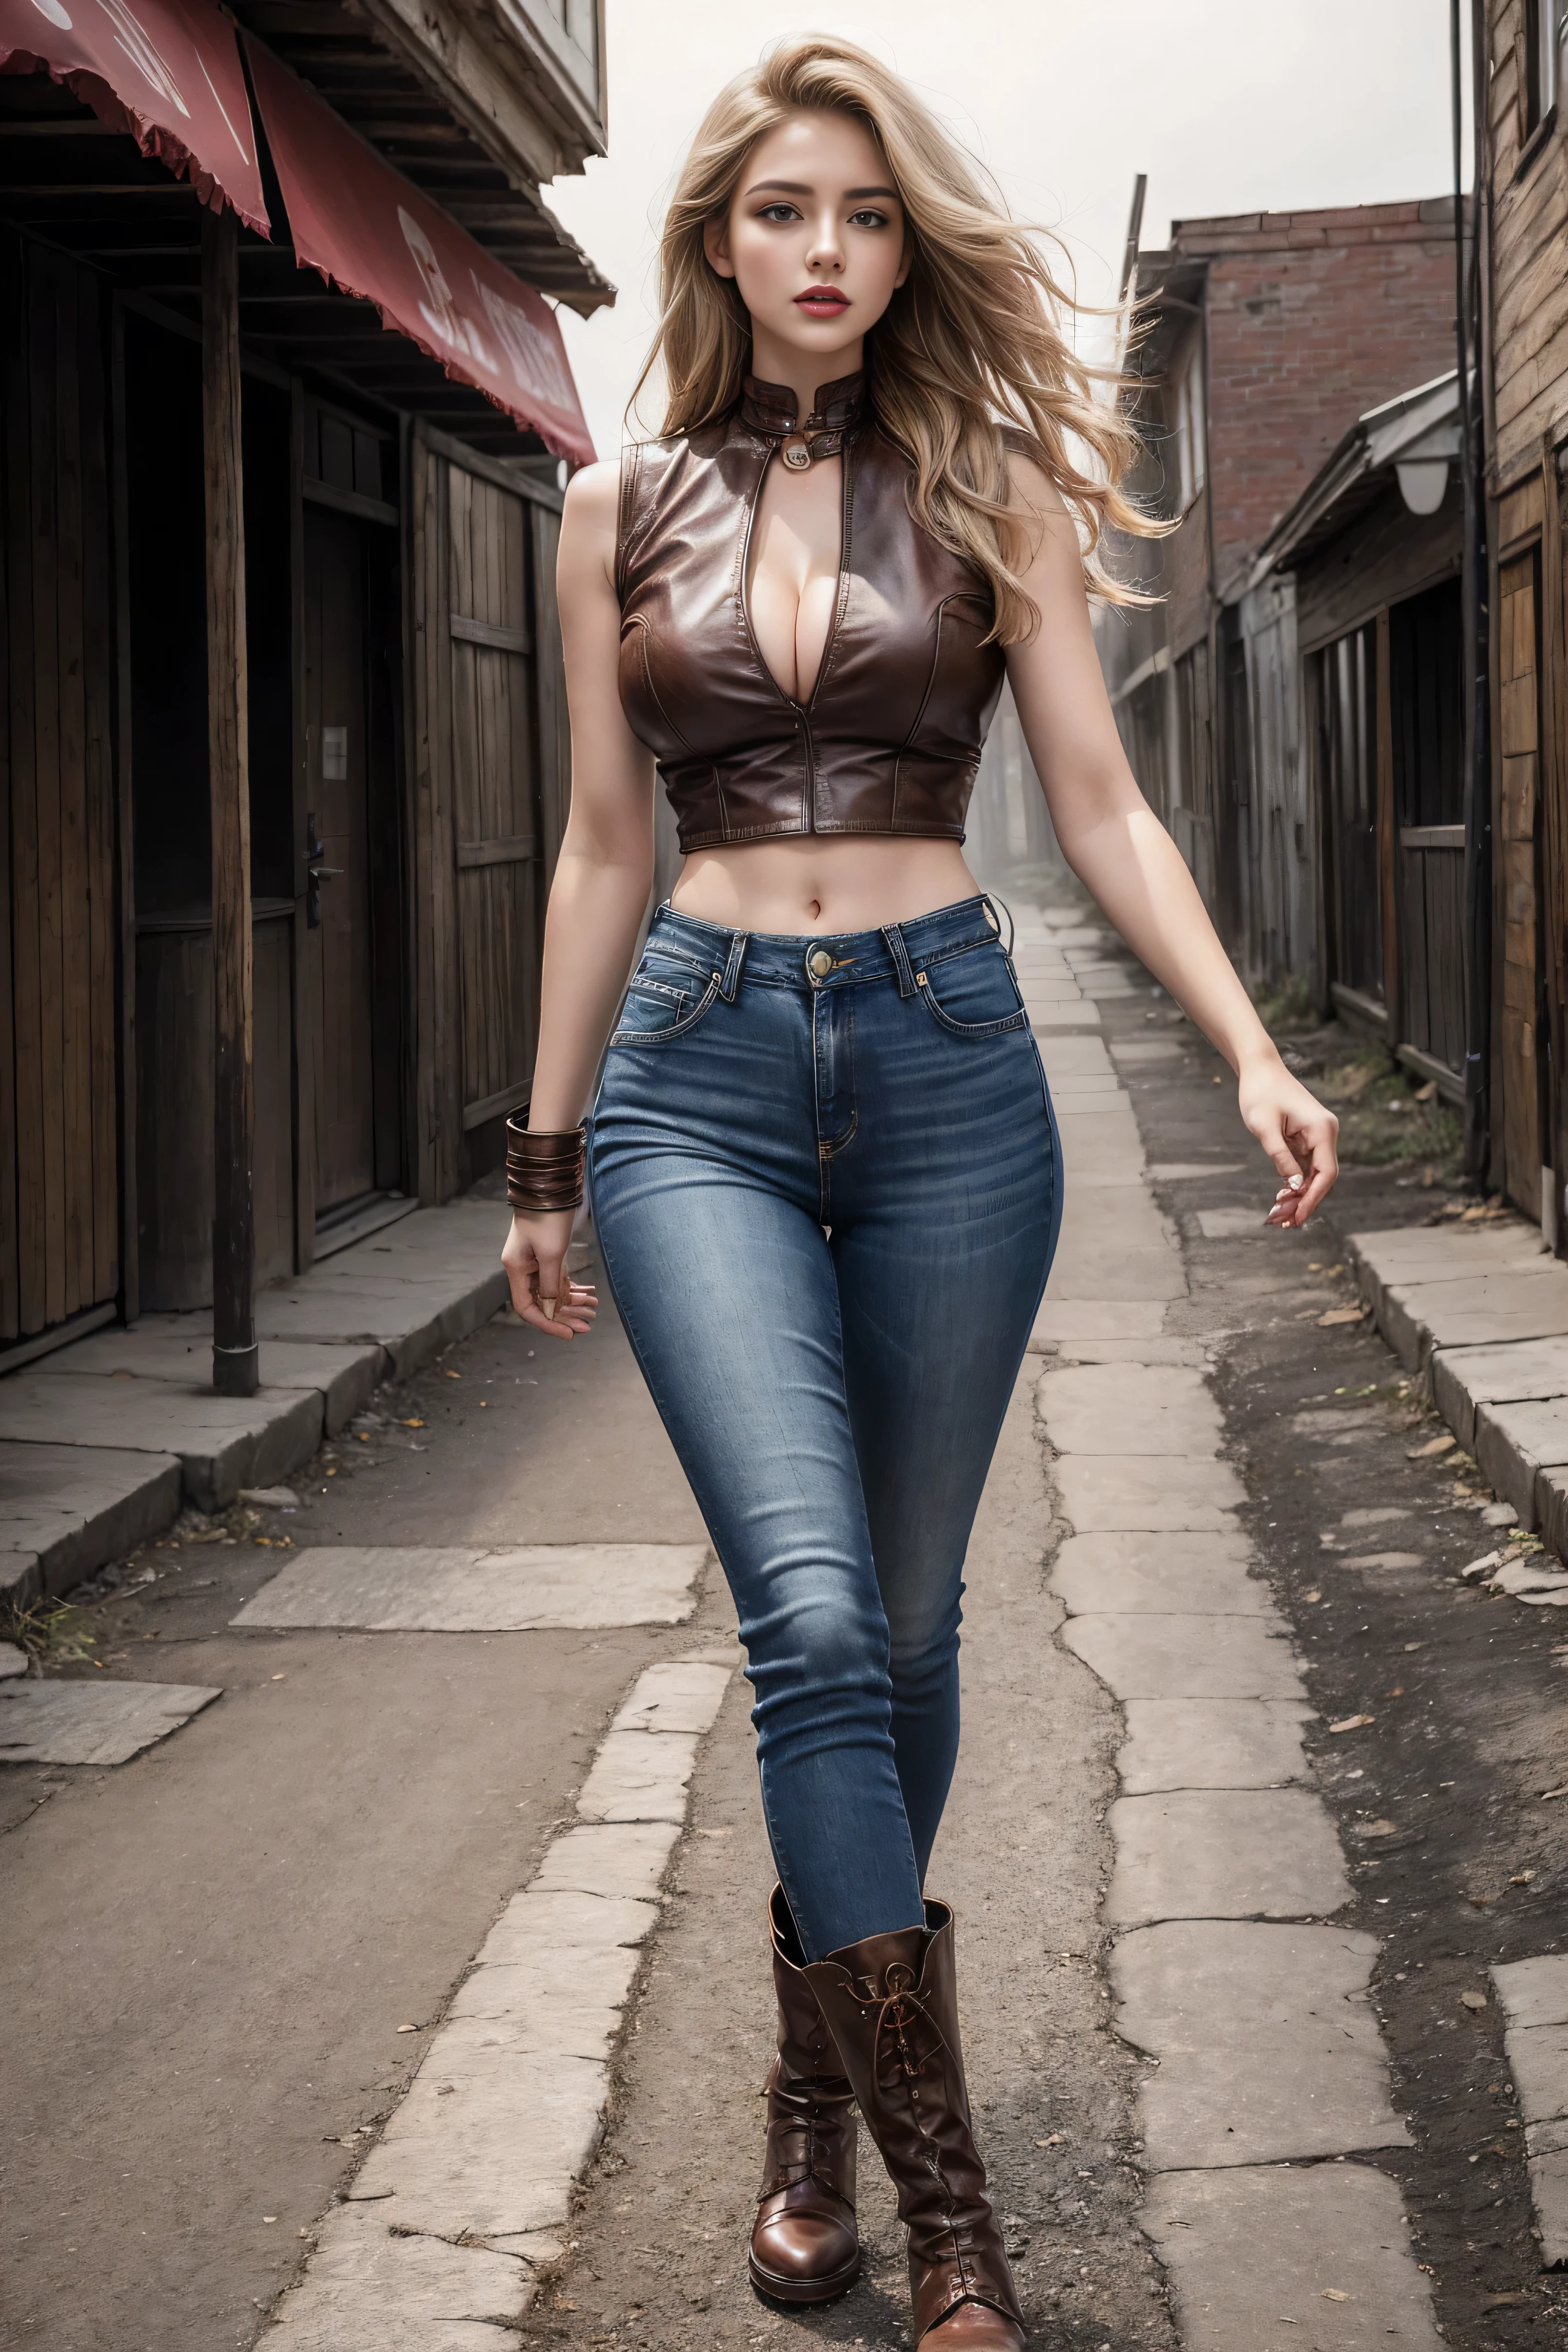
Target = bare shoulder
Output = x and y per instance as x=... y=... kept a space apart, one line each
x=1032 y=491
x=593 y=497
x=587 y=558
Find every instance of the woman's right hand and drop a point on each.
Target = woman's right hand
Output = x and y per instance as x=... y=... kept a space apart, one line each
x=542 y=1292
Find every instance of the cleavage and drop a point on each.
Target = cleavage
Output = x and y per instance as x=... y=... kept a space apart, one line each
x=793 y=565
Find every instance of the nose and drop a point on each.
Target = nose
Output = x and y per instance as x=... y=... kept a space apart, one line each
x=827 y=246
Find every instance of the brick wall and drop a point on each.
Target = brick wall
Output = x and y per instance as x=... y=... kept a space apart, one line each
x=1314 y=317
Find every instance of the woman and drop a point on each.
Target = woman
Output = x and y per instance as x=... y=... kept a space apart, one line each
x=826 y=1178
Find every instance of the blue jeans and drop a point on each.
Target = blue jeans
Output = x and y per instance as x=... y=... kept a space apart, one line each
x=826 y=1187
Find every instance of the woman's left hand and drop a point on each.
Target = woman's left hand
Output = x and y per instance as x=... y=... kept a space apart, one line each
x=1299 y=1135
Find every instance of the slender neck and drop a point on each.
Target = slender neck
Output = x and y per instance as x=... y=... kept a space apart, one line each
x=776 y=362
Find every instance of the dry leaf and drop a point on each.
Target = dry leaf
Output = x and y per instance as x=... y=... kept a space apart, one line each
x=1426 y=1093
x=1341 y=1315
x=1378 y=1829
x=1433 y=1447
x=1336 y=2295
x=1352 y=1722
x=1474 y=2000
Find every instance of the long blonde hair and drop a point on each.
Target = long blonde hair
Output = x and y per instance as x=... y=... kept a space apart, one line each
x=968 y=361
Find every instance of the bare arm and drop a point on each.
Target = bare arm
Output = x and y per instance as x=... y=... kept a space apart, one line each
x=1119 y=850
x=601 y=881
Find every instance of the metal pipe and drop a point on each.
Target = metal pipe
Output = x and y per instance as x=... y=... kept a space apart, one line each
x=1477 y=801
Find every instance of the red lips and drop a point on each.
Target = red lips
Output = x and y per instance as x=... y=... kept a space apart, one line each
x=822 y=300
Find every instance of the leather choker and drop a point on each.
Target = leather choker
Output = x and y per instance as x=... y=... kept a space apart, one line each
x=839 y=409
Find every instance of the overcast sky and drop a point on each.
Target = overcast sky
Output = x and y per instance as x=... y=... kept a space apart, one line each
x=1228 y=105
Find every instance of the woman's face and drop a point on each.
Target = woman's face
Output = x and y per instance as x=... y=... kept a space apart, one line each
x=814 y=241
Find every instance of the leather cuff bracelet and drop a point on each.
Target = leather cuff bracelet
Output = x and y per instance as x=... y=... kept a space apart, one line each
x=543 y=1170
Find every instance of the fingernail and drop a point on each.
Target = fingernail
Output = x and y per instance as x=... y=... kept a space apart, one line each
x=1296 y=1183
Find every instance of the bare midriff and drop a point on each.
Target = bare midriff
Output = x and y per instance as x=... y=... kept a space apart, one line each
x=815 y=883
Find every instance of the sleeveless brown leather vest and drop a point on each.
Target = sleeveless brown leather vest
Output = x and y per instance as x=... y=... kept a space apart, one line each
x=890 y=737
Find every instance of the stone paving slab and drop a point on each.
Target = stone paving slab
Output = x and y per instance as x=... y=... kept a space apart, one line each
x=1156 y=1493
x=468 y=2191
x=1251 y=2251
x=64 y=1509
x=1268 y=2047
x=1224 y=1853
x=178 y=1348
x=1514 y=1442
x=620 y=1858
x=1121 y=1410
x=1237 y=1224
x=1427 y=1253
x=1184 y=1657
x=1144 y=1053
x=99 y=1722
x=1535 y=1992
x=368 y=2291
x=1066 y=1056
x=1511 y=1304
x=1097 y=1267
x=1143 y=1575
x=1485 y=1316
x=681 y=1694
x=639 y=1776
x=1464 y=1377
x=398 y=1588
x=1213 y=1743
x=1097 y=1318
x=222 y=1443
x=1189 y=1353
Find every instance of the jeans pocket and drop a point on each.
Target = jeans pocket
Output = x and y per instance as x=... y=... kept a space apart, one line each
x=657 y=1009
x=973 y=994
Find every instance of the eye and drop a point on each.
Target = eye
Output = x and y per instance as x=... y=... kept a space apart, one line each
x=868 y=218
x=780 y=212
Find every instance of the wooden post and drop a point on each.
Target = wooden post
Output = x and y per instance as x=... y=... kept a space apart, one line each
x=235 y=1360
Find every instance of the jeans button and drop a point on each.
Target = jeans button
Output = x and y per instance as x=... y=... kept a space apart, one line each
x=819 y=964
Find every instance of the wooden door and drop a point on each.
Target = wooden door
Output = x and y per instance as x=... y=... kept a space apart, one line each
x=490 y=766
x=352 y=803
x=1519 y=877
x=1343 y=682
x=1426 y=734
x=59 y=1148
x=496 y=816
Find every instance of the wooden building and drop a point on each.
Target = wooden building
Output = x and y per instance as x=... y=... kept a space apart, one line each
x=1522 y=177
x=1265 y=336
x=1368 y=564
x=284 y=422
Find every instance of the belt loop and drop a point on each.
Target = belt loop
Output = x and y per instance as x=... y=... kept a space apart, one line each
x=900 y=956
x=731 y=980
x=987 y=900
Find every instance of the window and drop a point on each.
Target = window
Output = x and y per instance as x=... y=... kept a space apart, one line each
x=1187 y=466
x=1543 y=30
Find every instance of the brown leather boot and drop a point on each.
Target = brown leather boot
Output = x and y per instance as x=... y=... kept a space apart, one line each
x=891 y=2004
x=805 y=2248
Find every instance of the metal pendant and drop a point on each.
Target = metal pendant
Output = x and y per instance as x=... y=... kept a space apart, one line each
x=797 y=456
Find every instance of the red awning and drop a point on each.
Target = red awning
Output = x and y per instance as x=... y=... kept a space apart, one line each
x=369 y=231
x=167 y=71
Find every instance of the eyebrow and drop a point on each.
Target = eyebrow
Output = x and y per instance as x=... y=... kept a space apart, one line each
x=803 y=188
